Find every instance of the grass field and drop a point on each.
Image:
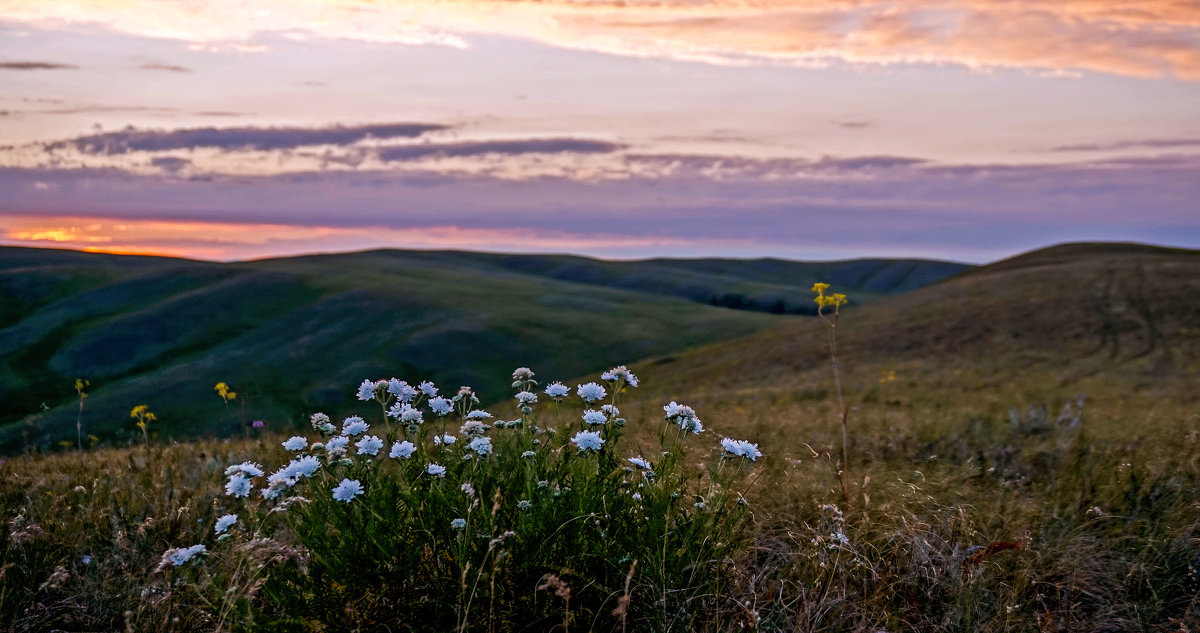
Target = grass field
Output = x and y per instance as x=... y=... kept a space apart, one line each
x=287 y=334
x=1024 y=455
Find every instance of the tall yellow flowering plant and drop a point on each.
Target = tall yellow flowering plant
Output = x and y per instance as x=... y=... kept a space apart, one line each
x=828 y=310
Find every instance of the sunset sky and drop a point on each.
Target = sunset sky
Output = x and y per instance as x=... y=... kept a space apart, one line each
x=954 y=129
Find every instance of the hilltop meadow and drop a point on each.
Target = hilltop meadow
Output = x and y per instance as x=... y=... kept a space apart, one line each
x=1021 y=445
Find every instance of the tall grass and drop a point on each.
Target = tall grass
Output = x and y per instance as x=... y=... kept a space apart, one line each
x=970 y=519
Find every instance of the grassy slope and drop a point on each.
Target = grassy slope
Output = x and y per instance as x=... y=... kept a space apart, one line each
x=290 y=334
x=1123 y=312
x=983 y=354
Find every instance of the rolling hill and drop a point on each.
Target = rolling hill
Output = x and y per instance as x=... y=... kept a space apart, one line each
x=1116 y=323
x=292 y=335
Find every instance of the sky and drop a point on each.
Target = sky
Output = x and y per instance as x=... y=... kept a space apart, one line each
x=966 y=130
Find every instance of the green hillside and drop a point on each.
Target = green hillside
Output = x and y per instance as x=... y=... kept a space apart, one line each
x=289 y=334
x=1114 y=323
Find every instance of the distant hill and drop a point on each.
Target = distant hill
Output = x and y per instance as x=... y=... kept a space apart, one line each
x=1127 y=312
x=294 y=335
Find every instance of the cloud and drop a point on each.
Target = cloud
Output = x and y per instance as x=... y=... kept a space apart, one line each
x=1152 y=143
x=170 y=164
x=36 y=66
x=95 y=108
x=167 y=67
x=1148 y=38
x=510 y=148
x=244 y=138
x=781 y=207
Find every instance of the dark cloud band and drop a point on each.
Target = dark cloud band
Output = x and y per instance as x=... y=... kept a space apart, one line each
x=244 y=138
x=36 y=66
x=508 y=148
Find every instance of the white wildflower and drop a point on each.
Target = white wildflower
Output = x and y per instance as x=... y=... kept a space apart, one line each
x=402 y=390
x=238 y=486
x=366 y=391
x=640 y=463
x=481 y=445
x=587 y=440
x=296 y=443
x=250 y=469
x=181 y=555
x=225 y=522
x=321 y=423
x=637 y=496
x=437 y=470
x=354 y=425
x=528 y=454
x=467 y=489
x=526 y=398
x=477 y=414
x=524 y=504
x=441 y=406
x=280 y=479
x=303 y=466
x=458 y=524
x=591 y=392
x=406 y=413
x=557 y=390
x=369 y=445
x=522 y=373
x=620 y=373
x=465 y=395
x=741 y=448
x=684 y=416
x=347 y=490
x=594 y=417
x=610 y=410
x=444 y=439
x=473 y=427
x=402 y=450
x=336 y=445
x=428 y=389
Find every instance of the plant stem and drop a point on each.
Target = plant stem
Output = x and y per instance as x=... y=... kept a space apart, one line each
x=837 y=382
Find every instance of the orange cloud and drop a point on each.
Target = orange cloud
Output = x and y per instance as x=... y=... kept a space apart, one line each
x=1141 y=38
x=229 y=241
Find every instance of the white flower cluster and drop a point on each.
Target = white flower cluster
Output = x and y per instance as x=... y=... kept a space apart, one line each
x=441 y=406
x=641 y=463
x=557 y=391
x=683 y=416
x=354 y=425
x=620 y=373
x=740 y=448
x=225 y=522
x=240 y=475
x=590 y=392
x=404 y=403
x=321 y=423
x=402 y=390
x=180 y=555
x=347 y=490
x=402 y=450
x=369 y=445
x=587 y=440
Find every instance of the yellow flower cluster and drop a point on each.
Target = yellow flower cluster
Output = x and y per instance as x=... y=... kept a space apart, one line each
x=143 y=415
x=827 y=301
x=225 y=392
